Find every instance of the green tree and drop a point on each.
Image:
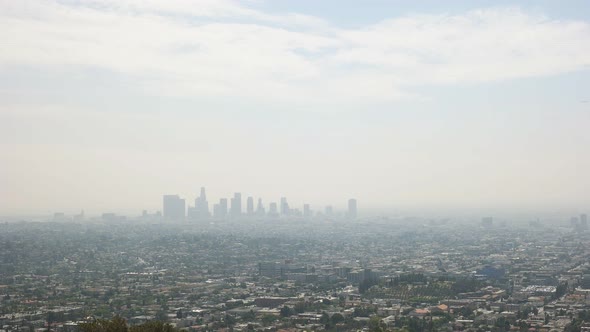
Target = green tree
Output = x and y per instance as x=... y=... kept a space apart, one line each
x=153 y=326
x=286 y=311
x=161 y=316
x=250 y=315
x=117 y=324
x=300 y=307
x=337 y=318
x=229 y=320
x=376 y=325
x=268 y=319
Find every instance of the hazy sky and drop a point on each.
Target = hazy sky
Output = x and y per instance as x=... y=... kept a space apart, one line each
x=107 y=105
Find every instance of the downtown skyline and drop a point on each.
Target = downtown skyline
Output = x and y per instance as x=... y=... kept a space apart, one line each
x=176 y=208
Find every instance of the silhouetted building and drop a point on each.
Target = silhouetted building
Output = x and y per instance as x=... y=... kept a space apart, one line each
x=352 y=208
x=272 y=210
x=174 y=208
x=250 y=205
x=307 y=211
x=284 y=206
x=220 y=209
x=202 y=206
x=329 y=211
x=584 y=221
x=260 y=208
x=236 y=205
x=487 y=221
x=79 y=217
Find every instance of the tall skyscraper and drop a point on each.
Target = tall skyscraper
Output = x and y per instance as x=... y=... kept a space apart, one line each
x=202 y=205
x=352 y=208
x=260 y=208
x=236 y=205
x=272 y=209
x=584 y=221
x=250 y=205
x=306 y=211
x=284 y=206
x=220 y=209
x=174 y=208
x=487 y=221
x=329 y=211
x=223 y=206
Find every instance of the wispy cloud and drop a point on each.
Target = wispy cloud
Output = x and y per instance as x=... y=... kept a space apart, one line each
x=225 y=49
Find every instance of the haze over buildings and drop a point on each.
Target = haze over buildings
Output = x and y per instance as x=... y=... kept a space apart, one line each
x=294 y=165
x=440 y=105
x=174 y=209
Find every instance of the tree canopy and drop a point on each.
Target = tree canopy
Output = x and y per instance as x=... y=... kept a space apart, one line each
x=118 y=324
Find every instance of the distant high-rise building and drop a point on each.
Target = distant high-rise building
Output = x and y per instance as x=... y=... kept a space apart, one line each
x=329 y=210
x=223 y=205
x=174 y=208
x=202 y=204
x=284 y=206
x=574 y=222
x=220 y=209
x=487 y=221
x=250 y=205
x=260 y=208
x=306 y=211
x=272 y=209
x=79 y=217
x=201 y=210
x=59 y=216
x=352 y=208
x=584 y=221
x=236 y=205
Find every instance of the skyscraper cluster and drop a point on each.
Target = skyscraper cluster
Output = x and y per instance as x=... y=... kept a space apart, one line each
x=175 y=208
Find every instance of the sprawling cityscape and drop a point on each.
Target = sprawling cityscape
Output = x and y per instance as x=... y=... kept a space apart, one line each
x=284 y=270
x=294 y=166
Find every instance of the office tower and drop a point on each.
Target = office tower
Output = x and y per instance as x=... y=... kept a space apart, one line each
x=584 y=221
x=223 y=206
x=272 y=209
x=109 y=216
x=487 y=221
x=201 y=210
x=329 y=210
x=236 y=205
x=260 y=208
x=284 y=206
x=80 y=216
x=250 y=205
x=191 y=213
x=216 y=211
x=174 y=208
x=306 y=211
x=220 y=209
x=574 y=222
x=59 y=216
x=352 y=208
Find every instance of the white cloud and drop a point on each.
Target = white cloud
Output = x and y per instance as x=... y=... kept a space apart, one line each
x=483 y=45
x=223 y=49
